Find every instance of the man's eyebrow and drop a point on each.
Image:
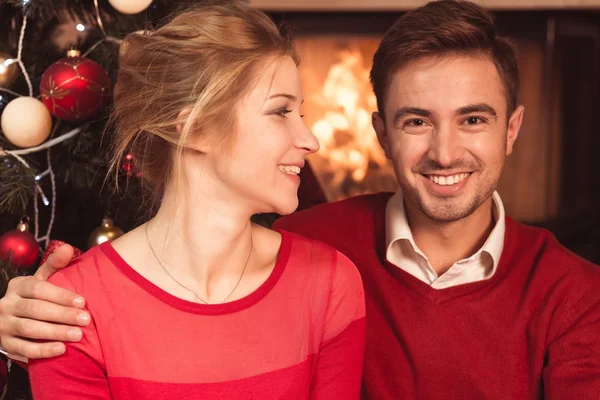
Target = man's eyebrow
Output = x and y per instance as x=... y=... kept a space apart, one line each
x=477 y=108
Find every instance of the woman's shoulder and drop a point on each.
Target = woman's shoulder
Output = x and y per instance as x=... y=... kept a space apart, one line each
x=332 y=279
x=88 y=270
x=304 y=246
x=321 y=258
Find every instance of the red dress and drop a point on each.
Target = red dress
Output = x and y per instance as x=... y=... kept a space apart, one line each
x=300 y=335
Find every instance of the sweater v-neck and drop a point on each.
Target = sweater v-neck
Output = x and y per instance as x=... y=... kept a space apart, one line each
x=445 y=294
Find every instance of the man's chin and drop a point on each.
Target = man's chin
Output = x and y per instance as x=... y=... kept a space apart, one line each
x=446 y=209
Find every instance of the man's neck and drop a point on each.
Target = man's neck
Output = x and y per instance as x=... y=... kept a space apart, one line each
x=446 y=243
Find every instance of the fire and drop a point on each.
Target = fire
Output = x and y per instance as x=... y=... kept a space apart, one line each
x=350 y=161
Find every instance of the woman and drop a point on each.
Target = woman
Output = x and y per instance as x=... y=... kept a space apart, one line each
x=199 y=303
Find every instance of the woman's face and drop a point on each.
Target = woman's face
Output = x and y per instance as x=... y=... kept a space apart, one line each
x=261 y=166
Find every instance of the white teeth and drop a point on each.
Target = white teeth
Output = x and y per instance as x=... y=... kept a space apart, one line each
x=289 y=169
x=448 y=180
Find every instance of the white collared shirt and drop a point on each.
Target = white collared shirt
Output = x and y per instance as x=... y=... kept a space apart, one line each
x=403 y=252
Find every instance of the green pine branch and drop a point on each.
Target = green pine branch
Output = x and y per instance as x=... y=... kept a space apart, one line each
x=17 y=185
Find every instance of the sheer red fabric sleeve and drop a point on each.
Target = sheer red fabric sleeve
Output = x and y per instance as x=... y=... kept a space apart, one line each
x=338 y=373
x=77 y=374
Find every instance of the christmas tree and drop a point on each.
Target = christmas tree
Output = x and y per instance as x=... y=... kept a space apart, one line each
x=58 y=63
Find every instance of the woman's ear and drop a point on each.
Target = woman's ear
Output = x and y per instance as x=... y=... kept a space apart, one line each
x=183 y=120
x=193 y=142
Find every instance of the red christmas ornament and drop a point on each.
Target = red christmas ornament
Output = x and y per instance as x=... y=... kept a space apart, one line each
x=75 y=88
x=19 y=248
x=55 y=244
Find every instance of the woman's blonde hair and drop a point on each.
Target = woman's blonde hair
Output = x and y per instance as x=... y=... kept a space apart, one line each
x=203 y=61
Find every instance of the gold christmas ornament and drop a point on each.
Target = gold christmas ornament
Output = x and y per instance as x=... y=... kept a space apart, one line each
x=107 y=231
x=9 y=70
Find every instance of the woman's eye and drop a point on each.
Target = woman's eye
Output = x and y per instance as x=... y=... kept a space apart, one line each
x=283 y=112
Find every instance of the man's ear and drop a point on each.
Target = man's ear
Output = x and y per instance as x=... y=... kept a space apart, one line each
x=514 y=127
x=379 y=126
x=198 y=143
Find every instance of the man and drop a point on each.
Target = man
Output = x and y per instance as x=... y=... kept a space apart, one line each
x=462 y=302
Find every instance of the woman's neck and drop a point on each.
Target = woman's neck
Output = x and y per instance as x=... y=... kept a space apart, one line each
x=202 y=239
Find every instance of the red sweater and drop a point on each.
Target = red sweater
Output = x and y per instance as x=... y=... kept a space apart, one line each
x=532 y=331
x=298 y=336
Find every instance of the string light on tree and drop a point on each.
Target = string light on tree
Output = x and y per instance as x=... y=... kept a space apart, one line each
x=26 y=122
x=75 y=88
x=9 y=70
x=69 y=32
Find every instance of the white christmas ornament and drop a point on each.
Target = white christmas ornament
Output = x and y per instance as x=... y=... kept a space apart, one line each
x=26 y=122
x=130 y=6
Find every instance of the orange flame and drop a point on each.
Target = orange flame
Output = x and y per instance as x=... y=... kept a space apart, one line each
x=350 y=161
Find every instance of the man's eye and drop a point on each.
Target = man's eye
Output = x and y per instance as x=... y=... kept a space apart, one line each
x=416 y=126
x=474 y=120
x=416 y=122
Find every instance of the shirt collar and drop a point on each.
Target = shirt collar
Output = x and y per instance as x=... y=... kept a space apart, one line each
x=397 y=228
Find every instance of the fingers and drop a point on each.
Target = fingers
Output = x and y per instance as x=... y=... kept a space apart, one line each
x=30 y=288
x=20 y=348
x=18 y=358
x=49 y=312
x=57 y=260
x=31 y=305
x=31 y=329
